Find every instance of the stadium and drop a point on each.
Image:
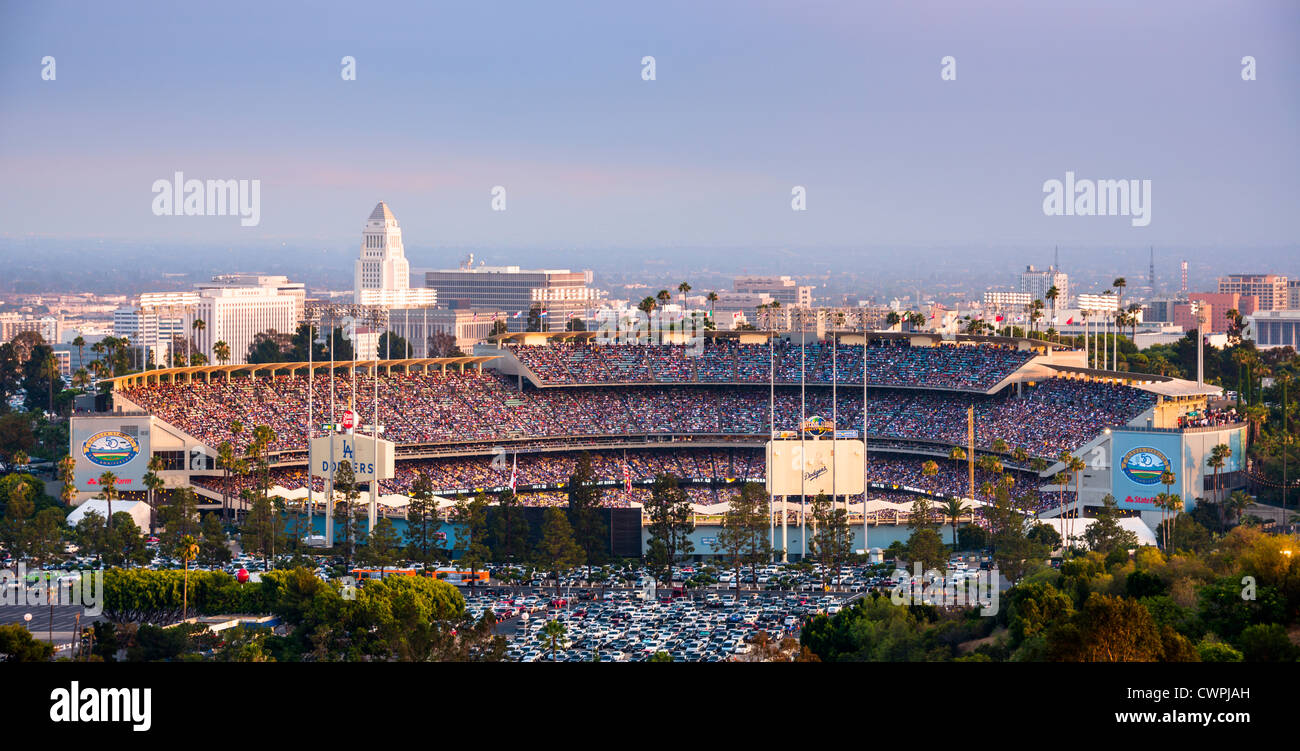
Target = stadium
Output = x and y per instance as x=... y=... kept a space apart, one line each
x=525 y=406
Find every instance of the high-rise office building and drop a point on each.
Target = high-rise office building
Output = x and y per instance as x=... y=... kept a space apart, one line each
x=382 y=275
x=1035 y=283
x=235 y=308
x=560 y=293
x=1269 y=289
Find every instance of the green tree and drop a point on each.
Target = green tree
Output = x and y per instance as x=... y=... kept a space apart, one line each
x=189 y=551
x=831 y=541
x=214 y=549
x=553 y=632
x=671 y=523
x=422 y=521
x=743 y=536
x=1105 y=534
x=589 y=528
x=18 y=645
x=557 y=549
x=345 y=508
x=383 y=545
x=471 y=533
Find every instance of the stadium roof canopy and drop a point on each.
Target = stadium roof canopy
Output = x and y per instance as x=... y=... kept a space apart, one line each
x=1156 y=384
x=205 y=372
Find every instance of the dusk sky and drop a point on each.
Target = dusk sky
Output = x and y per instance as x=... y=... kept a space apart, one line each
x=751 y=99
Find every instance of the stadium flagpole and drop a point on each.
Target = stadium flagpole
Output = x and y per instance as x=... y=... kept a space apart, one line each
x=865 y=452
x=374 y=429
x=771 y=436
x=803 y=416
x=311 y=466
x=329 y=502
x=835 y=423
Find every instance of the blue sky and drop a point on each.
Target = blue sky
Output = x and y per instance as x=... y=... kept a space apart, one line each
x=751 y=98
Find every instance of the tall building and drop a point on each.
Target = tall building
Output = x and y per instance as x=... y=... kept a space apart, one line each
x=382 y=275
x=1035 y=283
x=1220 y=303
x=1293 y=294
x=235 y=308
x=560 y=293
x=149 y=329
x=782 y=289
x=1269 y=289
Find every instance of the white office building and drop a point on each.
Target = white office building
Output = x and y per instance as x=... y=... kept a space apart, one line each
x=235 y=308
x=382 y=274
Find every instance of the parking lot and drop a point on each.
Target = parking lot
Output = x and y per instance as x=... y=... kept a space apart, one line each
x=625 y=626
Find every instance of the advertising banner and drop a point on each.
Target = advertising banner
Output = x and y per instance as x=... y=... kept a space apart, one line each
x=110 y=444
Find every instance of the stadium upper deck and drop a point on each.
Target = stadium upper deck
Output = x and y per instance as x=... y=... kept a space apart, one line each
x=890 y=363
x=449 y=408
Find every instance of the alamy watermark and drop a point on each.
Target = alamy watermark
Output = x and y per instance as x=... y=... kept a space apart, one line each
x=1084 y=197
x=181 y=197
x=41 y=589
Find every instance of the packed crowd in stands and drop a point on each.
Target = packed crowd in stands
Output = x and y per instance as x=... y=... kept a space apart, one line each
x=1209 y=418
x=888 y=363
x=710 y=476
x=1056 y=415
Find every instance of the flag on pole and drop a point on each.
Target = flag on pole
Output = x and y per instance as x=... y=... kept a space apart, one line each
x=999 y=319
x=514 y=472
x=543 y=314
x=1070 y=321
x=517 y=314
x=627 y=477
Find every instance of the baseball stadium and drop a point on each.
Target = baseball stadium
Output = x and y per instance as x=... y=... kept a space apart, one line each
x=524 y=407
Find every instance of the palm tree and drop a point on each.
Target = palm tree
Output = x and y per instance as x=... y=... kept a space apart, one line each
x=929 y=468
x=954 y=509
x=1076 y=466
x=553 y=631
x=108 y=486
x=712 y=297
x=1218 y=458
x=189 y=550
x=80 y=343
x=1162 y=503
x=1174 y=503
x=1119 y=284
x=1284 y=380
x=1238 y=502
x=1051 y=296
x=199 y=326
x=999 y=446
x=683 y=288
x=221 y=351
